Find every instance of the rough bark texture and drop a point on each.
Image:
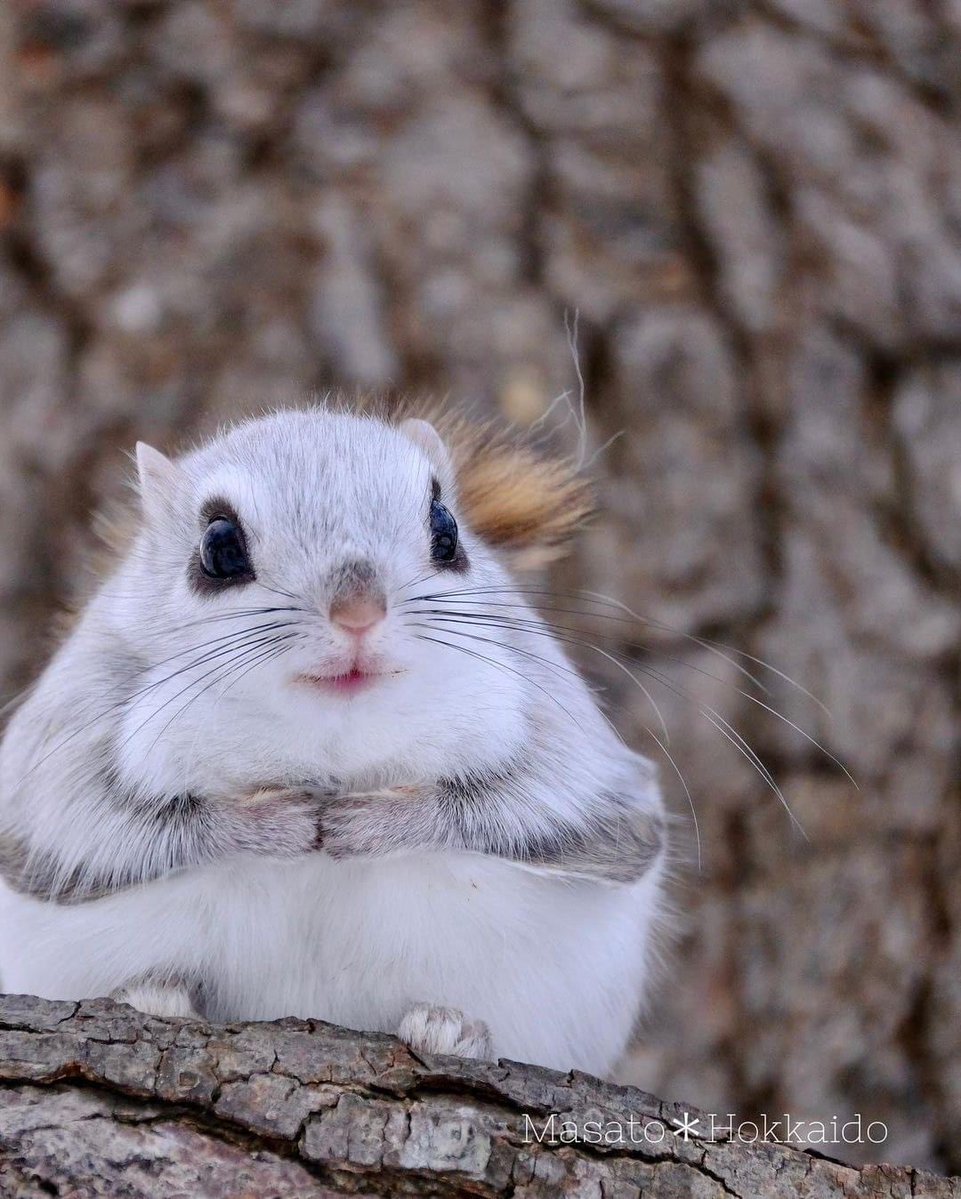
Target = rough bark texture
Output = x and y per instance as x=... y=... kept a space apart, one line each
x=756 y=207
x=98 y=1097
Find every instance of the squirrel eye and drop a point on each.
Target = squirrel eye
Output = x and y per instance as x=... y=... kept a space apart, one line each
x=223 y=552
x=443 y=533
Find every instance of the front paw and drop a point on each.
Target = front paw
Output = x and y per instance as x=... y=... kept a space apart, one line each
x=158 y=998
x=352 y=826
x=372 y=823
x=432 y=1029
x=288 y=820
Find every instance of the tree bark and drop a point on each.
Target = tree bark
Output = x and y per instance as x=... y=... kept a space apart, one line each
x=98 y=1099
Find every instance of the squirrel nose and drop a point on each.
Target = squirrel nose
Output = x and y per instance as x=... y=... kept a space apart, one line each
x=358 y=614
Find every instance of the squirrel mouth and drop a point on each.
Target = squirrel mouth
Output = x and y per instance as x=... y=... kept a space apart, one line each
x=345 y=682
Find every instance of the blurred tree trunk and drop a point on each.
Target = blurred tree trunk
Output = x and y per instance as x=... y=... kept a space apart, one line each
x=100 y=1100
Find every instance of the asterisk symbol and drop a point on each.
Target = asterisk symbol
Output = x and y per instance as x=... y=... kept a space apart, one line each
x=686 y=1127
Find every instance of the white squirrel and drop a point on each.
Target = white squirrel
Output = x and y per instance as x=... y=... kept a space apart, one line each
x=309 y=751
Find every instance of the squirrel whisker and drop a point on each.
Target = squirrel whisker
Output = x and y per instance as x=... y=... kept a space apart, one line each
x=712 y=647
x=710 y=714
x=500 y=665
x=720 y=648
x=216 y=618
x=560 y=630
x=530 y=655
x=237 y=642
x=246 y=649
x=275 y=648
x=536 y=626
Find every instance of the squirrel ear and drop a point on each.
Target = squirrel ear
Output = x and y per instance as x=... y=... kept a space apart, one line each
x=159 y=479
x=423 y=434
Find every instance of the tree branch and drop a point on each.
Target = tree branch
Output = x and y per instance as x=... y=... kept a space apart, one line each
x=97 y=1099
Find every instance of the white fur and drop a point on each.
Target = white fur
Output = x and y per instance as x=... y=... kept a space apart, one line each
x=432 y=1029
x=158 y=999
x=556 y=968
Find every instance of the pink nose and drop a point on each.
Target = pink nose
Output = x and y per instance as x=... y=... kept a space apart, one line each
x=357 y=614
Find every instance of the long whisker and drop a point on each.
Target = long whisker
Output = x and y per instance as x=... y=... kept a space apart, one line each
x=530 y=655
x=719 y=647
x=417 y=582
x=730 y=733
x=219 y=617
x=727 y=731
x=664 y=749
x=743 y=747
x=232 y=636
x=687 y=791
x=595 y=615
x=275 y=647
x=246 y=649
x=493 y=662
x=532 y=624
x=802 y=733
x=276 y=590
x=279 y=652
x=539 y=621
x=595 y=597
x=238 y=642
x=466 y=618
x=658 y=741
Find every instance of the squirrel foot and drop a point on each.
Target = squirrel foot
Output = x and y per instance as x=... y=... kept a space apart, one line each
x=158 y=998
x=433 y=1029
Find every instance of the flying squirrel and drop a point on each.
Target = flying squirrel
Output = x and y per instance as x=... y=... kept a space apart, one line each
x=310 y=750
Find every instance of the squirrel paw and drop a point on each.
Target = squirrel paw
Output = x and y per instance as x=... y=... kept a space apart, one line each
x=284 y=820
x=368 y=824
x=158 y=998
x=432 y=1029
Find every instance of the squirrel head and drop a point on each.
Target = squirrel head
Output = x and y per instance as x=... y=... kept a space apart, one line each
x=332 y=577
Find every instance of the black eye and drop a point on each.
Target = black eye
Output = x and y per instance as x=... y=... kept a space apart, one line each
x=443 y=533
x=223 y=552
